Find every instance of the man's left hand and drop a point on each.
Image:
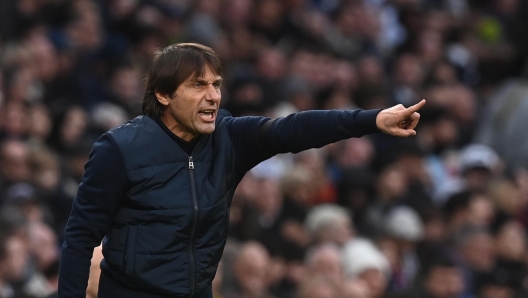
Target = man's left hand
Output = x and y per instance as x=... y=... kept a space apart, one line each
x=398 y=120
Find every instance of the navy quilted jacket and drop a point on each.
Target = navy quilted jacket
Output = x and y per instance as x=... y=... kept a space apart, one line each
x=163 y=214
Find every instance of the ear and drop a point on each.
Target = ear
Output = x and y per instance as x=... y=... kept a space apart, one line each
x=163 y=98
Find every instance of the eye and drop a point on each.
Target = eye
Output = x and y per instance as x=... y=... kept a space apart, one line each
x=216 y=84
x=198 y=85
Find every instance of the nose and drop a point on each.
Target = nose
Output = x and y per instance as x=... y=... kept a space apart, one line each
x=213 y=93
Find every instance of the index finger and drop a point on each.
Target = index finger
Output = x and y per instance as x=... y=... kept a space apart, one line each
x=414 y=108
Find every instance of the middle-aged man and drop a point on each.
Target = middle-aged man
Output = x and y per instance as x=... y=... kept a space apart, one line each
x=158 y=188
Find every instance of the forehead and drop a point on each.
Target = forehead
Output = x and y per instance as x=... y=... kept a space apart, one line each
x=207 y=74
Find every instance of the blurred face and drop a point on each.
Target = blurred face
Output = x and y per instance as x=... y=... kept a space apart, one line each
x=46 y=63
x=356 y=152
x=345 y=75
x=434 y=230
x=371 y=71
x=507 y=6
x=74 y=125
x=251 y=270
x=14 y=163
x=495 y=291
x=271 y=64
x=192 y=109
x=126 y=84
x=238 y=11
x=15 y=119
x=481 y=211
x=376 y=282
x=86 y=31
x=40 y=126
x=409 y=70
x=445 y=132
x=339 y=232
x=444 y=282
x=44 y=245
x=430 y=45
x=322 y=291
x=507 y=196
x=479 y=252
x=356 y=288
x=17 y=257
x=269 y=13
x=511 y=241
x=392 y=183
x=269 y=198
x=477 y=178
x=327 y=263
x=445 y=73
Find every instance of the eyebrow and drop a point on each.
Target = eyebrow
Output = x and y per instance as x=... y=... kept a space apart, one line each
x=198 y=80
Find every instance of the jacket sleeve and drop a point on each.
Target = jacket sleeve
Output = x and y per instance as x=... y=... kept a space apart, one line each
x=99 y=195
x=259 y=138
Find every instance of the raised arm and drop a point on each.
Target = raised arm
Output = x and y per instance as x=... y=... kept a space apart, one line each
x=259 y=138
x=99 y=195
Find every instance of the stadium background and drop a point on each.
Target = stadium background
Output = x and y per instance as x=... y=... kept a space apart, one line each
x=440 y=215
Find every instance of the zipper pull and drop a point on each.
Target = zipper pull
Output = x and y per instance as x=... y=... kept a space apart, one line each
x=191 y=163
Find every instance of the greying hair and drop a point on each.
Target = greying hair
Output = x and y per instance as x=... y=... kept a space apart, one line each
x=171 y=67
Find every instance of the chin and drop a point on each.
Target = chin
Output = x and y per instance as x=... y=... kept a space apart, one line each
x=207 y=130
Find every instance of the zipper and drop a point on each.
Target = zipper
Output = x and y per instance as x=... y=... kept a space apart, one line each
x=190 y=248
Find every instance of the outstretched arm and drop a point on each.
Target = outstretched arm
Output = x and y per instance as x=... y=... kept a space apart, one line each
x=259 y=138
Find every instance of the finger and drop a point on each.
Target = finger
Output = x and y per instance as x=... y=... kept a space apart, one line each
x=407 y=132
x=413 y=120
x=414 y=108
x=400 y=132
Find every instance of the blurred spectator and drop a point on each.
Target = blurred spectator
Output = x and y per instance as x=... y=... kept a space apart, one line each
x=329 y=224
x=14 y=164
x=403 y=229
x=318 y=287
x=363 y=260
x=325 y=260
x=68 y=129
x=440 y=279
x=478 y=165
x=252 y=272
x=356 y=288
x=478 y=256
x=5 y=288
x=24 y=198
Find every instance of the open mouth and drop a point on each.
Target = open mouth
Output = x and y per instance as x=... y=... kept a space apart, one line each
x=208 y=115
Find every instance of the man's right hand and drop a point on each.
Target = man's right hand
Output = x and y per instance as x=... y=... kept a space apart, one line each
x=398 y=120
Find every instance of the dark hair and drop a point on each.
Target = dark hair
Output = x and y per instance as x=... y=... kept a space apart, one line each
x=171 y=67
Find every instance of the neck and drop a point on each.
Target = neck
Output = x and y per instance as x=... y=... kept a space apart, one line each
x=177 y=129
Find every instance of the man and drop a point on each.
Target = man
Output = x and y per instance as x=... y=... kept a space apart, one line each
x=158 y=188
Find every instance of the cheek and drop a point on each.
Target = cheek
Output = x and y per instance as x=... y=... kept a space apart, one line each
x=182 y=109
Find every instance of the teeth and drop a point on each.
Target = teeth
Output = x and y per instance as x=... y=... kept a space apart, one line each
x=209 y=114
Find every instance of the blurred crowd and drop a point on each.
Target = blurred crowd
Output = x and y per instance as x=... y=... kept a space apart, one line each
x=440 y=215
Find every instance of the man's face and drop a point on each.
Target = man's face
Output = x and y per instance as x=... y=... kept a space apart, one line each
x=193 y=107
x=444 y=282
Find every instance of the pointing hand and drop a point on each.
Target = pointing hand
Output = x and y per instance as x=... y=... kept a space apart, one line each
x=398 y=120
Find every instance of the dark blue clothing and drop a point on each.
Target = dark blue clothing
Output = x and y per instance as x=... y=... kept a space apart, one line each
x=164 y=214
